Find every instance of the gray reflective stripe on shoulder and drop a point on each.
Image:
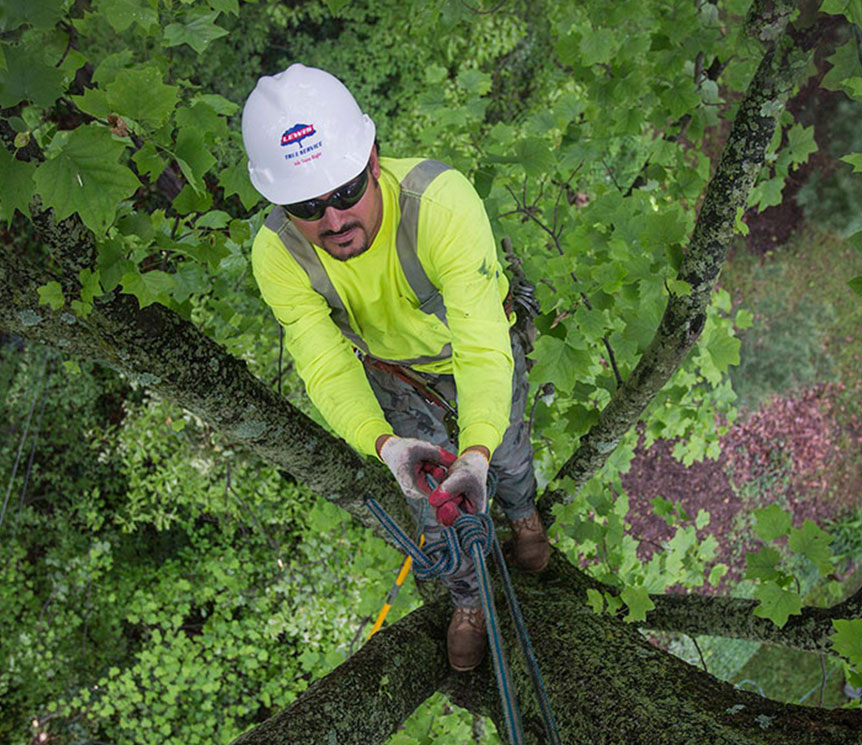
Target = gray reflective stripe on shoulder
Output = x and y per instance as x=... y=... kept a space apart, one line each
x=305 y=255
x=413 y=186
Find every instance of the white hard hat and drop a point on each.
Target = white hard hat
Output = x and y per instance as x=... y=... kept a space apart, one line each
x=304 y=135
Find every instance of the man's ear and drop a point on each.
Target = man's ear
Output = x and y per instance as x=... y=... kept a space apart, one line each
x=374 y=162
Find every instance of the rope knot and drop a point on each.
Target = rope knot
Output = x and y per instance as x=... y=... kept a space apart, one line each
x=474 y=530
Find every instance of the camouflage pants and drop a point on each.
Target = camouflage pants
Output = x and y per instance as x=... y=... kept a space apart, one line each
x=411 y=416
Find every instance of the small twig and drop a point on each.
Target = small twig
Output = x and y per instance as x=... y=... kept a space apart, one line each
x=613 y=361
x=611 y=174
x=364 y=621
x=29 y=468
x=68 y=46
x=697 y=647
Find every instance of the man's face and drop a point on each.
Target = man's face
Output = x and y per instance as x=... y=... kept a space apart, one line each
x=344 y=234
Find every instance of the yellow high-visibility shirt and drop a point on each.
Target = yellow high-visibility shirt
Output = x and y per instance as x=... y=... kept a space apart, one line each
x=457 y=251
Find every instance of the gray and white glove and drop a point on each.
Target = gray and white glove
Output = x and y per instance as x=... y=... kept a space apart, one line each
x=412 y=461
x=465 y=487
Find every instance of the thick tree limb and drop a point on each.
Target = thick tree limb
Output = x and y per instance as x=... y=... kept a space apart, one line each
x=160 y=350
x=733 y=618
x=366 y=698
x=685 y=316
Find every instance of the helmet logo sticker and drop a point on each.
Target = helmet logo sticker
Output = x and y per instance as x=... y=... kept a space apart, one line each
x=295 y=135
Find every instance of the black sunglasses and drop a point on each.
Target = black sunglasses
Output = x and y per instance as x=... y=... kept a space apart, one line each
x=342 y=198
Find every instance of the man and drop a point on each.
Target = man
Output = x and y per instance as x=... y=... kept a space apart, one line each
x=393 y=261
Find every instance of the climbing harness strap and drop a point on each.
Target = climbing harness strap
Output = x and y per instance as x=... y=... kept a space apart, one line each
x=413 y=186
x=475 y=535
x=423 y=387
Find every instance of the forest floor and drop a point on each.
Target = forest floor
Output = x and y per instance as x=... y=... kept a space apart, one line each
x=797 y=441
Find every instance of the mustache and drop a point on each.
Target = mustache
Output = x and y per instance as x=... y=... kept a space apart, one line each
x=344 y=229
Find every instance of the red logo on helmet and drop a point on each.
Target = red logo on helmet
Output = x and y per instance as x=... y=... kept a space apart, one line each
x=297 y=133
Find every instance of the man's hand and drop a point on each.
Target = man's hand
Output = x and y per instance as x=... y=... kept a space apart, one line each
x=411 y=461
x=464 y=487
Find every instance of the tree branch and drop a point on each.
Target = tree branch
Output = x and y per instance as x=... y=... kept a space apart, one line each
x=157 y=348
x=733 y=618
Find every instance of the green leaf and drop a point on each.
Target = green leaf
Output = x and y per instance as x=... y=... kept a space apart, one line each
x=744 y=319
x=217 y=103
x=121 y=14
x=113 y=263
x=679 y=287
x=214 y=220
x=850 y=9
x=28 y=77
x=638 y=601
x=40 y=14
x=772 y=522
x=149 y=287
x=149 y=162
x=664 y=508
x=854 y=284
x=140 y=94
x=855 y=160
x=51 y=294
x=336 y=6
x=847 y=640
x=474 y=81
x=763 y=565
x=702 y=519
x=192 y=155
x=596 y=47
x=189 y=200
x=558 y=361
x=234 y=179
x=716 y=573
x=813 y=542
x=17 y=179
x=766 y=194
x=776 y=604
x=800 y=142
x=723 y=349
x=225 y=6
x=94 y=101
x=86 y=177
x=91 y=287
x=110 y=66
x=204 y=117
x=198 y=31
x=535 y=156
x=595 y=600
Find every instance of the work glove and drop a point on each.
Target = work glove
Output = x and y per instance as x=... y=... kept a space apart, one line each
x=465 y=487
x=413 y=461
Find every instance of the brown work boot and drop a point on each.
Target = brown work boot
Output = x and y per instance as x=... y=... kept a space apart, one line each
x=466 y=639
x=530 y=543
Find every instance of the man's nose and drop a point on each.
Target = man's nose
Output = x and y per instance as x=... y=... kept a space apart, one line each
x=332 y=220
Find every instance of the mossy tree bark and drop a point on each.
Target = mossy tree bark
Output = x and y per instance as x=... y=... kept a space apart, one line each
x=606 y=684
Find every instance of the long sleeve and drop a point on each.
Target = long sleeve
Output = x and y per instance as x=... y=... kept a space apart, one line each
x=333 y=376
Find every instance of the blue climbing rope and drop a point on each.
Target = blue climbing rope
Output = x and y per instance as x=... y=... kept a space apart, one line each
x=475 y=536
